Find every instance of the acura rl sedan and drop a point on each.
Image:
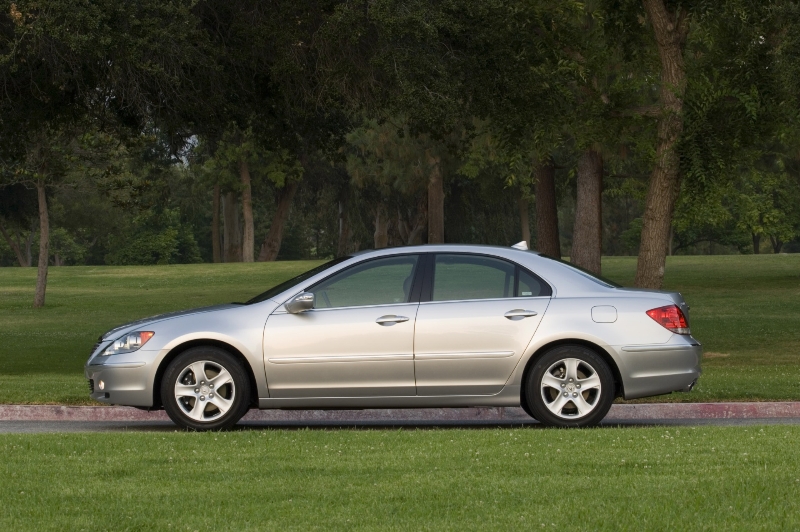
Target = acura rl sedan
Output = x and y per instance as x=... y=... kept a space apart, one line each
x=424 y=326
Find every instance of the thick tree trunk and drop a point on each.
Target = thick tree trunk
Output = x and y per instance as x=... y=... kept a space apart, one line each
x=44 y=246
x=344 y=230
x=14 y=245
x=670 y=30
x=272 y=242
x=756 y=243
x=215 y=244
x=232 y=237
x=248 y=238
x=671 y=239
x=587 y=241
x=547 y=239
x=435 y=200
x=524 y=219
x=381 y=235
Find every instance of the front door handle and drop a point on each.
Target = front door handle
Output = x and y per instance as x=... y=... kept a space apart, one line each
x=390 y=319
x=518 y=314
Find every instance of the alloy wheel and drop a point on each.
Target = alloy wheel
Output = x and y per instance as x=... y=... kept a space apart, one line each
x=571 y=388
x=205 y=391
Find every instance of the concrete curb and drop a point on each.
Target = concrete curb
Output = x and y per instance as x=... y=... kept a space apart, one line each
x=651 y=411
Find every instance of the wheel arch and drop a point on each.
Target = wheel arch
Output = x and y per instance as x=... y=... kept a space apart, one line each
x=602 y=353
x=178 y=349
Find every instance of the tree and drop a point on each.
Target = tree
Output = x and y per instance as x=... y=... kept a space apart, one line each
x=393 y=168
x=724 y=88
x=60 y=66
x=547 y=236
x=767 y=204
x=670 y=28
x=587 y=240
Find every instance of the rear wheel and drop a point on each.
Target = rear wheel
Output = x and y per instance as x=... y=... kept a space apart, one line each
x=570 y=386
x=205 y=388
x=525 y=404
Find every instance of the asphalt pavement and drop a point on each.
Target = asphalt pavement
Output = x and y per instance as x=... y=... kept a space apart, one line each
x=33 y=427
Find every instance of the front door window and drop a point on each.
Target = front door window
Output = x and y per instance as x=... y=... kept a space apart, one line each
x=377 y=282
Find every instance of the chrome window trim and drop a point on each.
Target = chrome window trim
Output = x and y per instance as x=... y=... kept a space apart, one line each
x=422 y=251
x=428 y=283
x=282 y=310
x=526 y=298
x=306 y=288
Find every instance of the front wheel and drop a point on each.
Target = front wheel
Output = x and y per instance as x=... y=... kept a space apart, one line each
x=205 y=388
x=570 y=386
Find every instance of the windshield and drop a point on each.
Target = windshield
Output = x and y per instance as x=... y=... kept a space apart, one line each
x=275 y=290
x=586 y=273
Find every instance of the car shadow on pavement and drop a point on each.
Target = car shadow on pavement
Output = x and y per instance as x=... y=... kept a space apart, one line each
x=32 y=427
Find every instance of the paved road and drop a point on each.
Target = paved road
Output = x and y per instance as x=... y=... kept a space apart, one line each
x=31 y=427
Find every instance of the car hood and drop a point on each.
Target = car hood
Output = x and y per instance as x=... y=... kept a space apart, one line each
x=122 y=329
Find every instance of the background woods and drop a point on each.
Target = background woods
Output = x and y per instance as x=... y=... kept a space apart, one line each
x=217 y=131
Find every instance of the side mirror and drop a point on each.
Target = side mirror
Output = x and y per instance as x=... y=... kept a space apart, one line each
x=300 y=303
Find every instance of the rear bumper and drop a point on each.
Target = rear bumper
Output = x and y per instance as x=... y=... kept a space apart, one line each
x=649 y=370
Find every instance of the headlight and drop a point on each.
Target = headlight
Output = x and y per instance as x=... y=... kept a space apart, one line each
x=128 y=343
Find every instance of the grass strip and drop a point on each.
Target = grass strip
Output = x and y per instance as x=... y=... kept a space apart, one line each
x=653 y=478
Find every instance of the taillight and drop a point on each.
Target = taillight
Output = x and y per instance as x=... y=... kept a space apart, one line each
x=670 y=317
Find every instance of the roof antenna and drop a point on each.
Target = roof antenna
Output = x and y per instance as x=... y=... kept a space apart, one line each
x=521 y=245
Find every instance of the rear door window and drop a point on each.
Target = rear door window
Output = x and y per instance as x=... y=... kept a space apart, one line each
x=463 y=276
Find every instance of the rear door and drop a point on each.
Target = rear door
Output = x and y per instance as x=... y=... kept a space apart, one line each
x=481 y=314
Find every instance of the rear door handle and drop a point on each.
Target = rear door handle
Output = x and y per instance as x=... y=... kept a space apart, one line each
x=390 y=319
x=519 y=313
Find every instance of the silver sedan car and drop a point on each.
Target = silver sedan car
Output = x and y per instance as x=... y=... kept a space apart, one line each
x=424 y=326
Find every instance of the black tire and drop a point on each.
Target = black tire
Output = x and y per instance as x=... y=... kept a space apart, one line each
x=214 y=419
x=525 y=404
x=600 y=399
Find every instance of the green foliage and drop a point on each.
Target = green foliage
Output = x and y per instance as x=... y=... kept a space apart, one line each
x=65 y=249
x=125 y=109
x=768 y=204
x=155 y=238
x=386 y=155
x=633 y=234
x=276 y=167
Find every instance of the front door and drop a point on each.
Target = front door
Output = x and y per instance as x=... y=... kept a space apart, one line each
x=481 y=316
x=358 y=341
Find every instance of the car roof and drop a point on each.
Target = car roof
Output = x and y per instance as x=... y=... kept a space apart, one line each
x=565 y=280
x=432 y=248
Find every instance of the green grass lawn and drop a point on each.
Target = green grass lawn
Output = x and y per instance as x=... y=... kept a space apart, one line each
x=745 y=310
x=653 y=478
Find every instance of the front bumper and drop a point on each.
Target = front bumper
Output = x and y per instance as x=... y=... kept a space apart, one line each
x=120 y=382
x=659 y=369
